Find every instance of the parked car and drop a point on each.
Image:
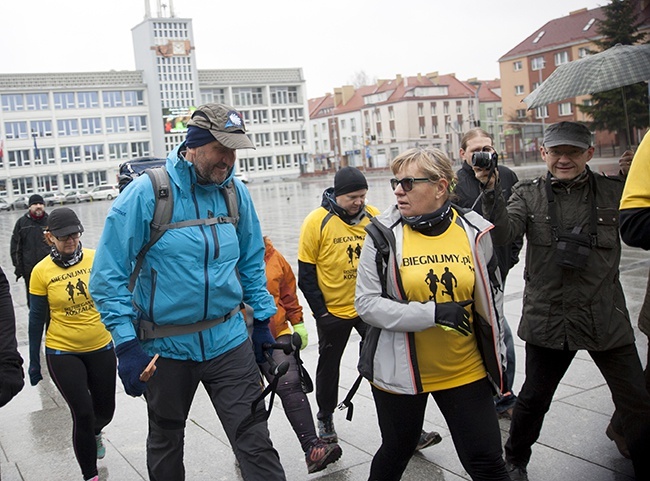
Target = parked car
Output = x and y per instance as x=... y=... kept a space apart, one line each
x=104 y=192
x=53 y=198
x=21 y=202
x=76 y=196
x=4 y=205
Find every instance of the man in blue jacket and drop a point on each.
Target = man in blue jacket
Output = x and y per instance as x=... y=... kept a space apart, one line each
x=188 y=296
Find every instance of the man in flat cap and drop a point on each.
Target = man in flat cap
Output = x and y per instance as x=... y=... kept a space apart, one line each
x=331 y=238
x=186 y=301
x=28 y=244
x=573 y=299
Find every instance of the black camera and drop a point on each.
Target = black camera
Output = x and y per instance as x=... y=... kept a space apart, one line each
x=484 y=160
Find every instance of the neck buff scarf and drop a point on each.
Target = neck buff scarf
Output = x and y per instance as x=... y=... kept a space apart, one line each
x=431 y=224
x=66 y=260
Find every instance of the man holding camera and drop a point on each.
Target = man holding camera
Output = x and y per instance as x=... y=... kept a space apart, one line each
x=476 y=149
x=573 y=297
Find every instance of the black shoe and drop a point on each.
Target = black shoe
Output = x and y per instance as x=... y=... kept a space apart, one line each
x=326 y=430
x=516 y=473
x=428 y=439
x=619 y=440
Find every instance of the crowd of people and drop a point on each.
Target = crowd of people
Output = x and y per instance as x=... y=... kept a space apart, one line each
x=212 y=302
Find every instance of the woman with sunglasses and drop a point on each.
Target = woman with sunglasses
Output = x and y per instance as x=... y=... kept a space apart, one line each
x=425 y=333
x=78 y=348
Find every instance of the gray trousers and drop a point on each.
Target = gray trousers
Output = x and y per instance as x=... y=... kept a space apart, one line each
x=232 y=381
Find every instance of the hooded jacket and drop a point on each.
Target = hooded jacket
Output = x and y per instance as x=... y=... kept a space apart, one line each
x=386 y=358
x=567 y=309
x=28 y=244
x=191 y=274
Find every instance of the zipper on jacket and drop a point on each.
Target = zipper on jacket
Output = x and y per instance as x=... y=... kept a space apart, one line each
x=215 y=237
x=206 y=254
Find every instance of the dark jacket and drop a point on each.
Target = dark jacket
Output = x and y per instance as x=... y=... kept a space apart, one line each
x=468 y=189
x=28 y=246
x=574 y=309
x=11 y=371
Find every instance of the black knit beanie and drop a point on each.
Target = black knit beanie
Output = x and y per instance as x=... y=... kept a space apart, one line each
x=349 y=179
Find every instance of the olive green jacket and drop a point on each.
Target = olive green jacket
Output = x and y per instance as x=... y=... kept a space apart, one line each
x=563 y=308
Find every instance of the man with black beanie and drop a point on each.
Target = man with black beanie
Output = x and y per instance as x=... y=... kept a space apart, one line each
x=327 y=272
x=28 y=244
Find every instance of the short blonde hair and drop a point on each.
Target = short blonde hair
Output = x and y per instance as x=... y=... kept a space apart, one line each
x=433 y=162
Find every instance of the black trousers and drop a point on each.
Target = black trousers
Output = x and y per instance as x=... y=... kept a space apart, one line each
x=472 y=421
x=545 y=368
x=333 y=336
x=87 y=383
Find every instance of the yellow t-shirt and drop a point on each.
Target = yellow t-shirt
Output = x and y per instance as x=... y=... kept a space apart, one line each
x=335 y=251
x=637 y=185
x=441 y=268
x=75 y=324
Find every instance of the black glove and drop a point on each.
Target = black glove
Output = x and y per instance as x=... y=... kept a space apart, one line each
x=35 y=373
x=132 y=361
x=261 y=335
x=11 y=382
x=453 y=315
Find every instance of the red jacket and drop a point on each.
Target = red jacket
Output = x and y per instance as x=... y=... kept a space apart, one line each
x=281 y=283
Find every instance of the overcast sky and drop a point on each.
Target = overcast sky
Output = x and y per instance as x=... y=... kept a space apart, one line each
x=330 y=40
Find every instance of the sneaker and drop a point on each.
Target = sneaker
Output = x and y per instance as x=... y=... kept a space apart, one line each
x=428 y=439
x=94 y=478
x=101 y=449
x=321 y=454
x=326 y=430
x=619 y=440
x=516 y=473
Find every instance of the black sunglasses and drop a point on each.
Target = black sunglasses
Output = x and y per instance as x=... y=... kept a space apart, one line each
x=407 y=182
x=64 y=238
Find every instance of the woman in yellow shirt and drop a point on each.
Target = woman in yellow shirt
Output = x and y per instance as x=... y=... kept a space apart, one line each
x=78 y=348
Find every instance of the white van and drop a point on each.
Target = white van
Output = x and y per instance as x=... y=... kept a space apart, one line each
x=104 y=192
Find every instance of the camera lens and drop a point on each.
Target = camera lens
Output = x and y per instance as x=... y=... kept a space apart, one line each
x=483 y=160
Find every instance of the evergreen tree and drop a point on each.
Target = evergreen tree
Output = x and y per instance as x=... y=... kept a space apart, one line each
x=620 y=25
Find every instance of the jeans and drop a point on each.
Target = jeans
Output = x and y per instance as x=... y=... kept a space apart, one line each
x=232 y=380
x=545 y=368
x=87 y=383
x=333 y=335
x=472 y=421
x=294 y=400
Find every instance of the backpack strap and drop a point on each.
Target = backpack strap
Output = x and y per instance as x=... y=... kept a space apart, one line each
x=164 y=206
x=232 y=204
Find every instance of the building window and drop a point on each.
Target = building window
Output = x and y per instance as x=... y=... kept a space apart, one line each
x=541 y=112
x=73 y=181
x=63 y=100
x=565 y=108
x=88 y=100
x=13 y=102
x=296 y=115
x=489 y=112
x=297 y=137
x=70 y=154
x=284 y=95
x=281 y=138
x=519 y=89
x=260 y=117
x=137 y=123
x=209 y=96
x=279 y=115
x=583 y=52
x=118 y=151
x=536 y=84
x=67 y=127
x=16 y=130
x=42 y=128
x=115 y=125
x=47 y=183
x=46 y=156
x=521 y=113
x=353 y=125
x=93 y=152
x=517 y=65
x=133 y=98
x=537 y=63
x=112 y=98
x=342 y=124
x=434 y=108
x=263 y=139
x=37 y=101
x=91 y=126
x=139 y=149
x=247 y=96
x=19 y=158
x=561 y=58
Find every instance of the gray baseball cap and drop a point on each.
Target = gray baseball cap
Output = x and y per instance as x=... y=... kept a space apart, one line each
x=567 y=133
x=225 y=123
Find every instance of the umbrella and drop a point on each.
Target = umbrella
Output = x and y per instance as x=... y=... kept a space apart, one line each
x=612 y=68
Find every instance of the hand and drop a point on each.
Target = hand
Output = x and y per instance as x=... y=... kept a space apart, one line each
x=482 y=176
x=261 y=335
x=302 y=332
x=132 y=361
x=34 y=373
x=625 y=161
x=453 y=315
x=11 y=382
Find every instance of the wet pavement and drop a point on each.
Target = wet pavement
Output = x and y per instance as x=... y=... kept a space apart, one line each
x=35 y=428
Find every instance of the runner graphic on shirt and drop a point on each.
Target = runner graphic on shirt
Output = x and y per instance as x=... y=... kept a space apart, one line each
x=350 y=252
x=357 y=250
x=81 y=288
x=450 y=282
x=70 y=289
x=432 y=280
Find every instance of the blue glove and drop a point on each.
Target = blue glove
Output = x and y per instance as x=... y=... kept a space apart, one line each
x=35 y=373
x=132 y=360
x=261 y=335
